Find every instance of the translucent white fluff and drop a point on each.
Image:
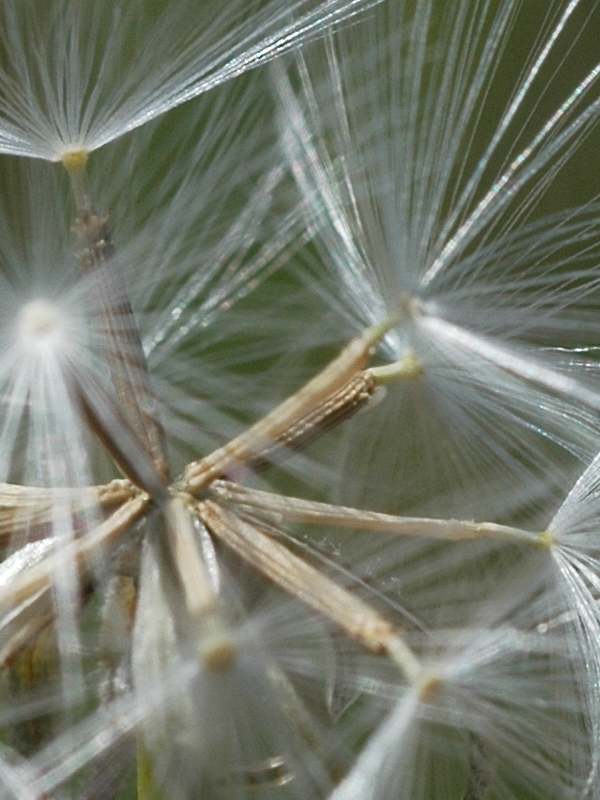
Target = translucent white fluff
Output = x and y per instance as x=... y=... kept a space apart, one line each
x=229 y=726
x=425 y=205
x=496 y=712
x=74 y=77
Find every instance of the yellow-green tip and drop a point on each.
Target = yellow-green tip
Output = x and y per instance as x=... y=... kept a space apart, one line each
x=75 y=161
x=218 y=654
x=546 y=539
x=407 y=368
x=429 y=687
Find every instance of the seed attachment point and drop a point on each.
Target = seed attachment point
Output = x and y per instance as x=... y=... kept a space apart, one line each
x=218 y=653
x=430 y=686
x=38 y=318
x=546 y=539
x=40 y=325
x=75 y=161
x=407 y=368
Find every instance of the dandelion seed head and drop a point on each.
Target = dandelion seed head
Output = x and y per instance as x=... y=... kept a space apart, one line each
x=76 y=78
x=408 y=218
x=415 y=212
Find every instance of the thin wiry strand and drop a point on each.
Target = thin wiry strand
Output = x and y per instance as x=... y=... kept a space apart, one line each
x=573 y=534
x=377 y=145
x=54 y=456
x=176 y=249
x=465 y=421
x=372 y=152
x=576 y=581
x=516 y=177
x=67 y=754
x=475 y=646
x=259 y=735
x=197 y=239
x=530 y=368
x=53 y=333
x=174 y=183
x=567 y=585
x=51 y=376
x=16 y=778
x=75 y=78
x=576 y=519
x=493 y=684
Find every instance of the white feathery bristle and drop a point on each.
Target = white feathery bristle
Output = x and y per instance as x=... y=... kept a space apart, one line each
x=182 y=273
x=419 y=217
x=260 y=732
x=486 y=693
x=73 y=79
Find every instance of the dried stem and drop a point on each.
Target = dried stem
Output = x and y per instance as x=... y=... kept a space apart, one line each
x=193 y=578
x=28 y=509
x=124 y=351
x=307 y=584
x=84 y=552
x=292 y=509
x=106 y=421
x=331 y=396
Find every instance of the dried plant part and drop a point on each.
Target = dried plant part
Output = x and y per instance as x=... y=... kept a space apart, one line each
x=123 y=346
x=28 y=509
x=292 y=509
x=84 y=552
x=314 y=408
x=303 y=581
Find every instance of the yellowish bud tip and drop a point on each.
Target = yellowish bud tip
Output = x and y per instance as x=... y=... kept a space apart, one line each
x=429 y=687
x=218 y=654
x=546 y=539
x=75 y=161
x=410 y=367
x=407 y=368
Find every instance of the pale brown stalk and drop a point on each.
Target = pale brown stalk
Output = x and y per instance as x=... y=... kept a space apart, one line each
x=28 y=509
x=123 y=346
x=293 y=509
x=357 y=619
x=313 y=408
x=83 y=551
